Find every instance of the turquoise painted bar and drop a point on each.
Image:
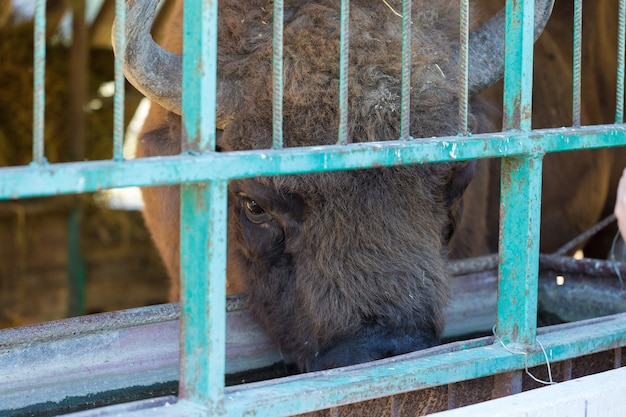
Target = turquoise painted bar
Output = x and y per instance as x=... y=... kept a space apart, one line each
x=577 y=62
x=520 y=212
x=337 y=387
x=405 y=107
x=202 y=221
x=203 y=293
x=463 y=66
x=520 y=195
x=277 y=75
x=621 y=61
x=199 y=74
x=344 y=52
x=304 y=393
x=82 y=177
x=120 y=82
x=518 y=64
x=39 y=82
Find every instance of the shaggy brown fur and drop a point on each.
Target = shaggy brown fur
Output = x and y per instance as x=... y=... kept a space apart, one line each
x=320 y=262
x=350 y=266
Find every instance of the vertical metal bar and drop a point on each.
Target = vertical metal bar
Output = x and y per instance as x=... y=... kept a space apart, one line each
x=578 y=27
x=518 y=64
x=463 y=67
x=199 y=74
x=118 y=97
x=78 y=80
x=39 y=80
x=203 y=293
x=344 y=50
x=76 y=270
x=202 y=220
x=520 y=200
x=520 y=210
x=621 y=50
x=405 y=108
x=277 y=76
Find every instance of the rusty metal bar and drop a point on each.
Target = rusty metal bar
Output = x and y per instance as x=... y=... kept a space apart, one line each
x=344 y=61
x=277 y=74
x=621 y=61
x=79 y=177
x=120 y=82
x=578 y=27
x=405 y=108
x=464 y=67
x=520 y=208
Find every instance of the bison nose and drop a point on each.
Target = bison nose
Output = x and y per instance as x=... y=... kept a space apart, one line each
x=370 y=344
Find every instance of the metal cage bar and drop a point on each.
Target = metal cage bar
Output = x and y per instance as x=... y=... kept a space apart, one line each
x=277 y=75
x=463 y=67
x=621 y=58
x=576 y=81
x=119 y=81
x=519 y=220
x=82 y=177
x=344 y=48
x=202 y=220
x=39 y=82
x=405 y=116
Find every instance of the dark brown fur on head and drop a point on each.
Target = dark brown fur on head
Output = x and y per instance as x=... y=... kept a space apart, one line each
x=340 y=267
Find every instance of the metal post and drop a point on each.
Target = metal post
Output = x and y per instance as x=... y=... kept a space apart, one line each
x=520 y=201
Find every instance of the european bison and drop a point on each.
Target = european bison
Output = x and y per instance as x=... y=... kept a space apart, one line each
x=340 y=267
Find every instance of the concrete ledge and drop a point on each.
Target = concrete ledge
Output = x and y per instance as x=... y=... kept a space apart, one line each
x=599 y=395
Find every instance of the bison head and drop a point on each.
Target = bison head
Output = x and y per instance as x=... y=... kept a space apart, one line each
x=340 y=267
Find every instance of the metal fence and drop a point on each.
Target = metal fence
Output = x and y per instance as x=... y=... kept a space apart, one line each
x=204 y=175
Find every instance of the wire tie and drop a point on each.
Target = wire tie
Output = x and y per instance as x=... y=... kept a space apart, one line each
x=518 y=352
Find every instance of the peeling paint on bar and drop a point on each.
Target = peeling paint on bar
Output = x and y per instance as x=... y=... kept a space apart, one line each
x=78 y=177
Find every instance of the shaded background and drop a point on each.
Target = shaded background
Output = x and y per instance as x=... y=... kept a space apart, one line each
x=68 y=255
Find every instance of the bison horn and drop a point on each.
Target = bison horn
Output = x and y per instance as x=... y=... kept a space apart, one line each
x=486 y=47
x=157 y=72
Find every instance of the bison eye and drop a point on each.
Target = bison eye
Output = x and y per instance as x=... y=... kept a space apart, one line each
x=254 y=212
x=254 y=208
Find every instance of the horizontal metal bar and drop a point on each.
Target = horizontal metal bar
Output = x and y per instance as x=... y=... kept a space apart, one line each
x=336 y=387
x=82 y=177
x=60 y=361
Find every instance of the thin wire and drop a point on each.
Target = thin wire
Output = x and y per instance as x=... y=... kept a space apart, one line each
x=118 y=97
x=578 y=26
x=519 y=352
x=277 y=75
x=344 y=41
